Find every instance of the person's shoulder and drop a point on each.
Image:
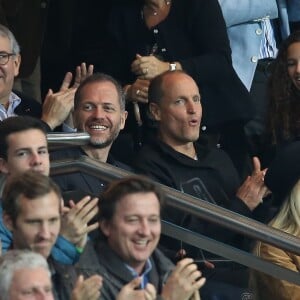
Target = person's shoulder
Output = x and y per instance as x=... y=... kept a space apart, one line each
x=210 y=152
x=151 y=147
x=28 y=106
x=154 y=151
x=114 y=162
x=65 y=153
x=162 y=261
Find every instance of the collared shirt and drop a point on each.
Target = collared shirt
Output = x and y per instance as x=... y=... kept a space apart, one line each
x=13 y=103
x=144 y=275
x=268 y=48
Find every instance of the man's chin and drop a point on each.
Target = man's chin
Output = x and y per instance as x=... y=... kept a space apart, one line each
x=44 y=252
x=100 y=144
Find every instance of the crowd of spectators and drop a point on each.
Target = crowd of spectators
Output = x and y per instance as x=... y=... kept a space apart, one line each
x=200 y=96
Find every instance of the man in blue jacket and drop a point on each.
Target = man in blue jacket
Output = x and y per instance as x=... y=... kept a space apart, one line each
x=23 y=146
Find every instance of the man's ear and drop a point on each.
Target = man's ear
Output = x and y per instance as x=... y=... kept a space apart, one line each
x=105 y=227
x=74 y=117
x=3 y=166
x=155 y=111
x=124 y=115
x=7 y=220
x=17 y=63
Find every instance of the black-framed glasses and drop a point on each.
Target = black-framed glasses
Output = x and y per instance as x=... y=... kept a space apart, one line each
x=4 y=57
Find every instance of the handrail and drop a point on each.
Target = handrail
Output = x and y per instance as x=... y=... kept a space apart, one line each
x=58 y=140
x=229 y=252
x=204 y=210
x=187 y=203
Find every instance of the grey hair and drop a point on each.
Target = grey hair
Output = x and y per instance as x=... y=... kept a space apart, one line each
x=14 y=260
x=6 y=33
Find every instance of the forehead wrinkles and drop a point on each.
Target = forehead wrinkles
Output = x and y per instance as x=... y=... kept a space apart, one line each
x=99 y=91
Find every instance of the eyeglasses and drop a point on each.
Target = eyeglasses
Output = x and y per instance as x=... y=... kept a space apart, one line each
x=4 y=57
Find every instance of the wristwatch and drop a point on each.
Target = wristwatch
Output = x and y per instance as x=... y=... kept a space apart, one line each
x=172 y=66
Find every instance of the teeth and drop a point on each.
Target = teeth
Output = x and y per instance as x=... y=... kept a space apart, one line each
x=98 y=127
x=143 y=242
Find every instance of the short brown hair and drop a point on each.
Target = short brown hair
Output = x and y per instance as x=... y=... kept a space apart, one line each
x=30 y=184
x=122 y=187
x=17 y=124
x=99 y=77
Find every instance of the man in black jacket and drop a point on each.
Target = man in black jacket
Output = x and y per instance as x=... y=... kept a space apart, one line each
x=175 y=159
x=99 y=110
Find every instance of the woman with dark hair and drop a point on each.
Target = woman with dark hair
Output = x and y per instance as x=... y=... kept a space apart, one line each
x=154 y=36
x=284 y=92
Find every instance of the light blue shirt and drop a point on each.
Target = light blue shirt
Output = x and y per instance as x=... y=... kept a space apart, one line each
x=268 y=48
x=13 y=103
x=248 y=26
x=144 y=275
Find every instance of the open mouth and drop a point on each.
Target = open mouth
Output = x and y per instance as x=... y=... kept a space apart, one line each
x=98 y=127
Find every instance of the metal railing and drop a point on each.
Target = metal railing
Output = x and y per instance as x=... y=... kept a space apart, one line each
x=60 y=140
x=205 y=211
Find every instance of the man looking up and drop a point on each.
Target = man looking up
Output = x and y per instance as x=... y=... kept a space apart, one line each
x=31 y=211
x=131 y=226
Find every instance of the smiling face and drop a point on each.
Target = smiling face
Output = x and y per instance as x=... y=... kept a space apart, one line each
x=7 y=71
x=31 y=284
x=293 y=63
x=179 y=111
x=99 y=113
x=134 y=231
x=37 y=225
x=27 y=150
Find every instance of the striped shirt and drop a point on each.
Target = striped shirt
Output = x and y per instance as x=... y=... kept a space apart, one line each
x=268 y=48
x=13 y=102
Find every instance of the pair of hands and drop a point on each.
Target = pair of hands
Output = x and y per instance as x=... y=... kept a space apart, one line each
x=87 y=289
x=145 y=68
x=90 y=289
x=75 y=219
x=57 y=107
x=183 y=284
x=130 y=291
x=253 y=189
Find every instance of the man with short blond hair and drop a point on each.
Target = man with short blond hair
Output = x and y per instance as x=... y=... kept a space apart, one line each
x=32 y=212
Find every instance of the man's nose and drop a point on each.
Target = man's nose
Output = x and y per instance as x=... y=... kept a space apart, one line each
x=191 y=107
x=144 y=228
x=36 y=159
x=99 y=112
x=44 y=231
